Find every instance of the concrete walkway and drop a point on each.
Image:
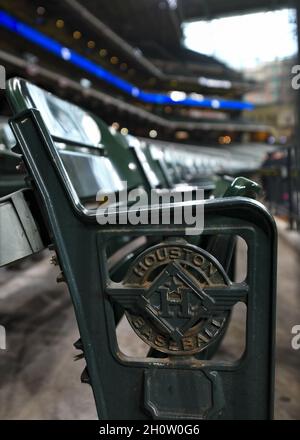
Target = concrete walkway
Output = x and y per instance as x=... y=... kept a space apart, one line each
x=38 y=376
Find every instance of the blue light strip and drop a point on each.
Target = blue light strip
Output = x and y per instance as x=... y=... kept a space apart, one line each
x=47 y=43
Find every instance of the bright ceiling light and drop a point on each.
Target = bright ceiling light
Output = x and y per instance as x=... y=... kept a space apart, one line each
x=124 y=131
x=215 y=103
x=197 y=96
x=214 y=83
x=172 y=4
x=177 y=96
x=65 y=53
x=153 y=134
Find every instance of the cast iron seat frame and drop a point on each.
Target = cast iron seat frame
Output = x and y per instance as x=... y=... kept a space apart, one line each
x=134 y=388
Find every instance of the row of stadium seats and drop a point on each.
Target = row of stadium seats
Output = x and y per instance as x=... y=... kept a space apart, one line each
x=155 y=164
x=176 y=288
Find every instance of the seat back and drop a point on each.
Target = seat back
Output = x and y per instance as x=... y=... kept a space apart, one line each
x=92 y=157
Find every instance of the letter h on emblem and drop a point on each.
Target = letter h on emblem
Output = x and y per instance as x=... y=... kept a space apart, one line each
x=174 y=300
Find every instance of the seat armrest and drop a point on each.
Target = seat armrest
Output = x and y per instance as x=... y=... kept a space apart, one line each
x=19 y=233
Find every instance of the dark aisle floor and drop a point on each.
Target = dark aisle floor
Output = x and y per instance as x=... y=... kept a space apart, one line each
x=38 y=377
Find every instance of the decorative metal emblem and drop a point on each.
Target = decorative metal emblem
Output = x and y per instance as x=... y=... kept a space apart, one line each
x=174 y=298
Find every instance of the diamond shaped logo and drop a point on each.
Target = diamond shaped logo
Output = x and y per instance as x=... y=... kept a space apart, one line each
x=175 y=301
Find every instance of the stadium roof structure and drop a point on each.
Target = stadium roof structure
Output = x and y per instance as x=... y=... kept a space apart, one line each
x=130 y=52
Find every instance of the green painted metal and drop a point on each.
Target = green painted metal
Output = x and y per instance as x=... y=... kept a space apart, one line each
x=10 y=178
x=150 y=167
x=244 y=187
x=175 y=386
x=19 y=234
